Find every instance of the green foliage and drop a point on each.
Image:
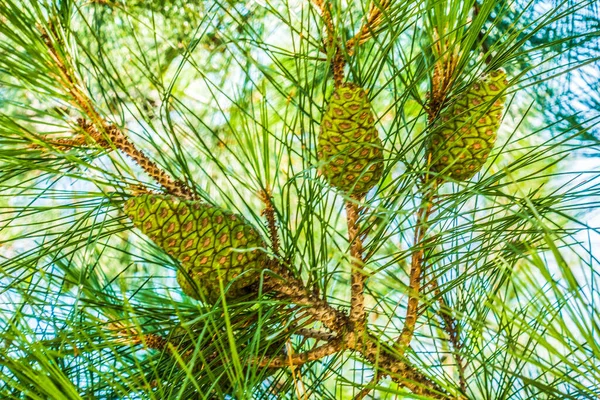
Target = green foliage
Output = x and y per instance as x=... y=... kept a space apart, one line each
x=228 y=97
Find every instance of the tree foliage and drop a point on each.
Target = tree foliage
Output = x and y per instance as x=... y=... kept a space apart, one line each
x=221 y=101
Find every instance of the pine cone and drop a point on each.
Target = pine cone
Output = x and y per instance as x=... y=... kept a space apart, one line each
x=211 y=243
x=466 y=131
x=349 y=147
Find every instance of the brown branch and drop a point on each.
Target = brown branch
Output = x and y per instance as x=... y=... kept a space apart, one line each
x=338 y=61
x=102 y=133
x=450 y=325
x=416 y=267
x=301 y=358
x=315 y=334
x=294 y=290
x=269 y=213
x=338 y=64
x=357 y=298
x=66 y=77
x=156 y=342
x=390 y=363
x=375 y=17
x=121 y=141
x=323 y=6
x=443 y=76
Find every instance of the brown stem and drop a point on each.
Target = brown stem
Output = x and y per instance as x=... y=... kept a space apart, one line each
x=66 y=77
x=374 y=18
x=269 y=213
x=99 y=129
x=301 y=358
x=416 y=267
x=122 y=142
x=443 y=75
x=338 y=62
x=156 y=342
x=315 y=334
x=357 y=298
x=294 y=290
x=450 y=325
x=389 y=363
x=327 y=20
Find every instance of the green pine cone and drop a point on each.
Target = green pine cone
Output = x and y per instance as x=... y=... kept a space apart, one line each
x=208 y=241
x=349 y=147
x=466 y=131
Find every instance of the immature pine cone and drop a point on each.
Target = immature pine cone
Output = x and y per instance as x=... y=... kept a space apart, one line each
x=211 y=243
x=465 y=132
x=349 y=147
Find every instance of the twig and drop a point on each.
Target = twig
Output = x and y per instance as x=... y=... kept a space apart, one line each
x=300 y=358
x=98 y=129
x=338 y=61
x=315 y=334
x=390 y=363
x=367 y=389
x=357 y=298
x=294 y=290
x=269 y=213
x=67 y=79
x=443 y=76
x=416 y=267
x=376 y=12
x=323 y=7
x=121 y=141
x=450 y=325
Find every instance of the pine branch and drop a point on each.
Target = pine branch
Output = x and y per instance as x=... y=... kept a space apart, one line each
x=295 y=360
x=357 y=308
x=315 y=334
x=367 y=31
x=99 y=129
x=362 y=341
x=324 y=7
x=338 y=61
x=294 y=290
x=443 y=75
x=269 y=213
x=390 y=363
x=416 y=267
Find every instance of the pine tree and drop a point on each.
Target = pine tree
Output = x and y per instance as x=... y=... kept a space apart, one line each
x=364 y=199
